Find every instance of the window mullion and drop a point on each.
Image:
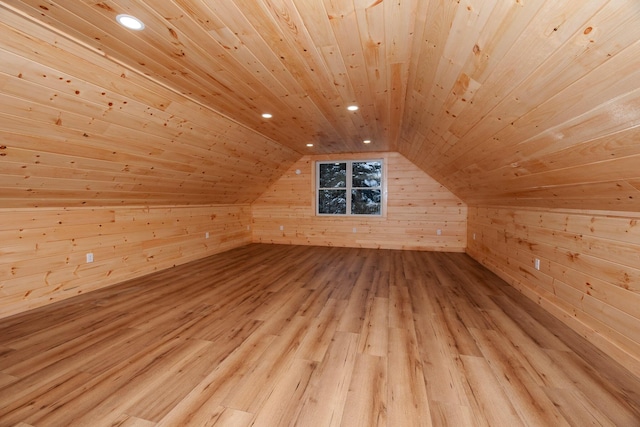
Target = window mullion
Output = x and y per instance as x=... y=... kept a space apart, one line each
x=349 y=184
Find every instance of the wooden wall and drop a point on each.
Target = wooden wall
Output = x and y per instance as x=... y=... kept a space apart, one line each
x=528 y=103
x=43 y=251
x=589 y=273
x=417 y=207
x=78 y=129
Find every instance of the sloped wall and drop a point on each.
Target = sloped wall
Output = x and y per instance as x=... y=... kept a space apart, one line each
x=43 y=251
x=417 y=206
x=589 y=273
x=78 y=129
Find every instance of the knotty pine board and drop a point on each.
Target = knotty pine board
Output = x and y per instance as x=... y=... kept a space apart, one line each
x=417 y=206
x=589 y=273
x=43 y=252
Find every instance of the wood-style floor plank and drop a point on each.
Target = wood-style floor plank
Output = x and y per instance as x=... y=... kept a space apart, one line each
x=366 y=403
x=486 y=396
x=407 y=392
x=283 y=403
x=274 y=335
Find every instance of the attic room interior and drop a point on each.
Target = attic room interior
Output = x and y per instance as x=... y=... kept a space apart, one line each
x=319 y=213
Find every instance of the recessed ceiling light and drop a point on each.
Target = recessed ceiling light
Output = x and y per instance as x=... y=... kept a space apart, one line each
x=352 y=108
x=309 y=145
x=367 y=141
x=131 y=22
x=267 y=115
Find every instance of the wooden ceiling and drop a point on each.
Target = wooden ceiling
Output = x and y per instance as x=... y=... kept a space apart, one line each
x=532 y=103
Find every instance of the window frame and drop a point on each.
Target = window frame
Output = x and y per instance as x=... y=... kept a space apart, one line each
x=349 y=187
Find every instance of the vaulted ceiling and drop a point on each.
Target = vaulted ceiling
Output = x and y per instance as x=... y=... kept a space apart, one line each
x=504 y=102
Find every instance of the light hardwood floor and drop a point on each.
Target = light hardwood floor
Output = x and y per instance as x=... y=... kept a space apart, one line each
x=270 y=335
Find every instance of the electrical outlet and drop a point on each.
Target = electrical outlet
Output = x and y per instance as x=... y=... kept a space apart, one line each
x=248 y=227
x=439 y=232
x=206 y=235
x=282 y=228
x=355 y=230
x=536 y=264
x=89 y=257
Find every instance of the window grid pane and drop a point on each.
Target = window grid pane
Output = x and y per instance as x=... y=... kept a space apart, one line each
x=366 y=174
x=365 y=202
x=333 y=175
x=332 y=202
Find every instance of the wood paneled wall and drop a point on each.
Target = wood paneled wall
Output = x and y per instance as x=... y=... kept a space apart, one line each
x=589 y=273
x=417 y=206
x=43 y=251
x=528 y=103
x=78 y=129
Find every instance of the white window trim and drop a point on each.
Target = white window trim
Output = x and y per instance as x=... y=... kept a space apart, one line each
x=349 y=162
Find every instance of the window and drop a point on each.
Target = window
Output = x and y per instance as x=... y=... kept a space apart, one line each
x=349 y=187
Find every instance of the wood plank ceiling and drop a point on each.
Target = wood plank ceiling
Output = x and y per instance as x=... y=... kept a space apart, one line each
x=504 y=102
